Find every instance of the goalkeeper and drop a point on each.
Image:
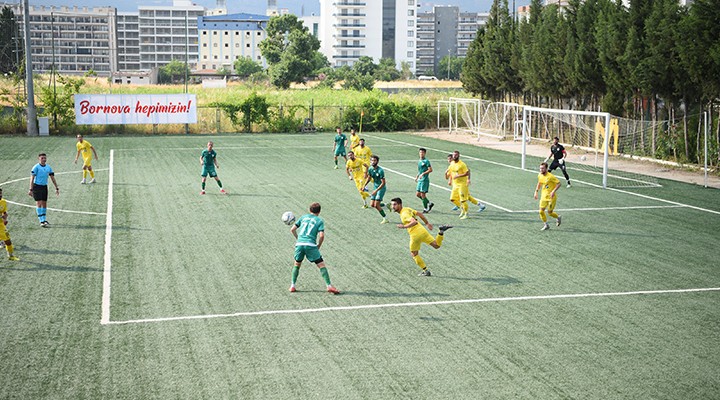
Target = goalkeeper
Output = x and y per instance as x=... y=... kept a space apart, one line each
x=558 y=153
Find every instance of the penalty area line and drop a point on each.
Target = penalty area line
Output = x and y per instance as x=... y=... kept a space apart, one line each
x=413 y=304
x=105 y=306
x=603 y=209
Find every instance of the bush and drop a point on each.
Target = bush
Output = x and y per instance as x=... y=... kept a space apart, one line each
x=387 y=116
x=284 y=120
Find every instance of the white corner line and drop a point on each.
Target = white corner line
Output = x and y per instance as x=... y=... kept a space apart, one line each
x=105 y=317
x=413 y=304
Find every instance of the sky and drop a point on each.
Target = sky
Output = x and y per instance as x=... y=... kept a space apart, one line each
x=298 y=7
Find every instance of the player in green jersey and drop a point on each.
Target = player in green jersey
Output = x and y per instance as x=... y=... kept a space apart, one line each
x=423 y=180
x=208 y=160
x=309 y=231
x=339 y=145
x=377 y=175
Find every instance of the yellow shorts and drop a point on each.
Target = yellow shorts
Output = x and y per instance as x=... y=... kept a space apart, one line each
x=359 y=184
x=548 y=204
x=4 y=234
x=87 y=162
x=417 y=239
x=459 y=193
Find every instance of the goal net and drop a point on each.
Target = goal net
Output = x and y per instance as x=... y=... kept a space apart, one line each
x=597 y=145
x=461 y=115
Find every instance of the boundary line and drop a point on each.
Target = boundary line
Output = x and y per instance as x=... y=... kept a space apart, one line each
x=107 y=259
x=256 y=147
x=587 y=183
x=413 y=304
x=603 y=208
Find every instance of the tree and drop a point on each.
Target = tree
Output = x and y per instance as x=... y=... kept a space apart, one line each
x=365 y=66
x=610 y=36
x=355 y=81
x=450 y=67
x=497 y=70
x=224 y=71
x=405 y=72
x=9 y=42
x=246 y=66
x=173 y=72
x=471 y=75
x=386 y=70
x=290 y=50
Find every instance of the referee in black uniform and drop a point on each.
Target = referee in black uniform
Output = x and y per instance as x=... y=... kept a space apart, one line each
x=558 y=153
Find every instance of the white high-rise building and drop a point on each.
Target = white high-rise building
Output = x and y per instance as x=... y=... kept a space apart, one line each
x=350 y=29
x=128 y=41
x=164 y=32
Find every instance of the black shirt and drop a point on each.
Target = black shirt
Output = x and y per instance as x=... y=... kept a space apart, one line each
x=557 y=151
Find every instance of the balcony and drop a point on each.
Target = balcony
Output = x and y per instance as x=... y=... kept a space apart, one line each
x=349 y=46
x=349 y=4
x=348 y=36
x=349 y=25
x=349 y=15
x=346 y=57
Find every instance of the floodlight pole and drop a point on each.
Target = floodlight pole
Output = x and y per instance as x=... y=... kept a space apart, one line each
x=32 y=128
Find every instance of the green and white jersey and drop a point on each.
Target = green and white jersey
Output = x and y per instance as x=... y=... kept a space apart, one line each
x=423 y=165
x=208 y=157
x=340 y=140
x=377 y=174
x=308 y=227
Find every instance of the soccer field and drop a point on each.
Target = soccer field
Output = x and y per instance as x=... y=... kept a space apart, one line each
x=143 y=288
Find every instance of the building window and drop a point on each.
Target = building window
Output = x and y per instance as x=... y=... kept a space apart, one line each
x=237 y=44
x=411 y=34
x=411 y=2
x=411 y=64
x=259 y=33
x=215 y=33
x=227 y=57
x=214 y=66
x=259 y=58
x=204 y=66
x=409 y=54
x=411 y=44
x=205 y=57
x=214 y=44
x=215 y=58
x=227 y=45
x=237 y=33
x=204 y=44
x=247 y=45
x=226 y=32
x=411 y=13
x=411 y=23
x=204 y=32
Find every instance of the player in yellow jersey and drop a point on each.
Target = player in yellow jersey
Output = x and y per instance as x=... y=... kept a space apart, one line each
x=84 y=147
x=548 y=198
x=418 y=233
x=354 y=139
x=460 y=195
x=4 y=234
x=355 y=169
x=363 y=152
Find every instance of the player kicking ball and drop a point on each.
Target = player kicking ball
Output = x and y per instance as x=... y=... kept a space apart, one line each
x=418 y=233
x=309 y=232
x=550 y=185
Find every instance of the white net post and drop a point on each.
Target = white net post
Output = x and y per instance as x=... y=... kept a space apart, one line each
x=606 y=157
x=524 y=138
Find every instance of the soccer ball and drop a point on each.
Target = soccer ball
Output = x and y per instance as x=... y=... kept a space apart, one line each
x=583 y=158
x=288 y=218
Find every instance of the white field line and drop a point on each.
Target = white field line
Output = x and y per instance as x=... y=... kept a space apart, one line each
x=602 y=209
x=535 y=172
x=329 y=147
x=105 y=317
x=27 y=178
x=413 y=304
x=446 y=188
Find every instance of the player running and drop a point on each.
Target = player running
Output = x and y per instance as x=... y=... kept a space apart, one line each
x=4 y=234
x=460 y=195
x=363 y=152
x=39 y=176
x=355 y=169
x=377 y=175
x=354 y=139
x=423 y=180
x=339 y=145
x=84 y=147
x=208 y=160
x=550 y=185
x=558 y=153
x=418 y=233
x=309 y=231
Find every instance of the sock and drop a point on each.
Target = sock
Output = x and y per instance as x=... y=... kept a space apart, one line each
x=9 y=249
x=382 y=212
x=464 y=206
x=336 y=162
x=473 y=200
x=40 y=213
x=425 y=202
x=295 y=273
x=44 y=214
x=420 y=262
x=84 y=173
x=325 y=275
x=553 y=214
x=439 y=239
x=92 y=174
x=543 y=217
x=203 y=186
x=219 y=183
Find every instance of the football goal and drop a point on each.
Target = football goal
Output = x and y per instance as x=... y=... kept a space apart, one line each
x=595 y=143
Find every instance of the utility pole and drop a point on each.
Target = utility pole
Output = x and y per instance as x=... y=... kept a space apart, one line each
x=52 y=37
x=32 y=128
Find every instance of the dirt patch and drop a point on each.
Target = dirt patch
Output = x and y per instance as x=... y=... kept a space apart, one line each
x=542 y=150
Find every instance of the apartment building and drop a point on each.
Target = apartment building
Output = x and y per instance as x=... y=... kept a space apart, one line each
x=71 y=40
x=128 y=41
x=169 y=33
x=350 y=29
x=225 y=38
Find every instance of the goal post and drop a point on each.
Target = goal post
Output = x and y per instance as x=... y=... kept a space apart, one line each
x=572 y=118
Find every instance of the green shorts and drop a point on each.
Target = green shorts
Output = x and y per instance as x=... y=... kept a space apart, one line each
x=340 y=151
x=379 y=195
x=208 y=170
x=311 y=252
x=423 y=185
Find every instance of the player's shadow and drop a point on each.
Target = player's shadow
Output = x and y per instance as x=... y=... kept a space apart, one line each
x=375 y=294
x=36 y=267
x=22 y=249
x=498 y=281
x=563 y=229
